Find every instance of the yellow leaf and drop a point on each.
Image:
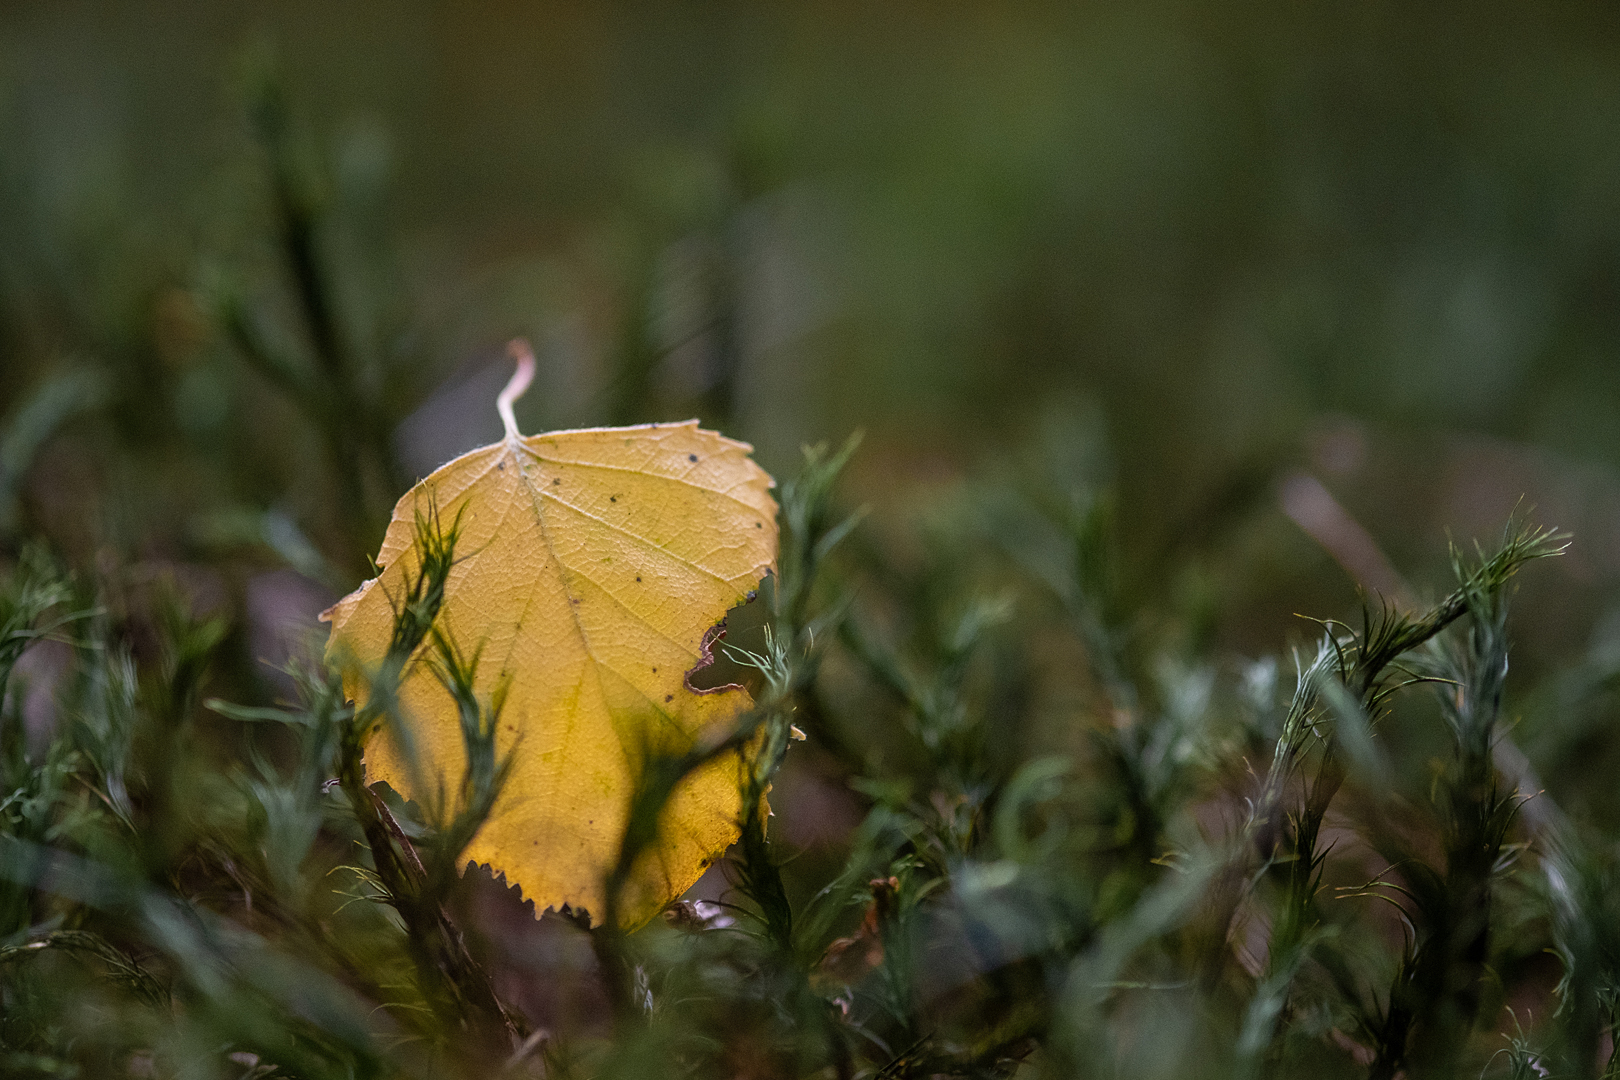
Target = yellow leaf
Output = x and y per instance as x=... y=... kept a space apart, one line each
x=590 y=567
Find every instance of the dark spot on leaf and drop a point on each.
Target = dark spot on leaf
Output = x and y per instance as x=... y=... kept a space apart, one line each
x=613 y=498
x=669 y=697
x=558 y=480
x=655 y=671
x=691 y=457
x=638 y=577
x=759 y=524
x=501 y=465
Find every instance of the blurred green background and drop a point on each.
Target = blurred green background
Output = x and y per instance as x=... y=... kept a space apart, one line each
x=1299 y=290
x=1251 y=267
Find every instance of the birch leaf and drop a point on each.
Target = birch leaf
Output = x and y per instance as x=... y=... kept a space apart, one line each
x=591 y=568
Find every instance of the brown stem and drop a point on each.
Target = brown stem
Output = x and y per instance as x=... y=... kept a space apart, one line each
x=451 y=978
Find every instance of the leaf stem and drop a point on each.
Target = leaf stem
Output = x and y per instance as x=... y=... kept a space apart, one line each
x=518 y=349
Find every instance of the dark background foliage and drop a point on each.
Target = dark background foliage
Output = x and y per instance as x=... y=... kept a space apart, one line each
x=1163 y=324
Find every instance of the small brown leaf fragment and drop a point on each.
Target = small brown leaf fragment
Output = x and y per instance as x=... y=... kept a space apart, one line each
x=850 y=959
